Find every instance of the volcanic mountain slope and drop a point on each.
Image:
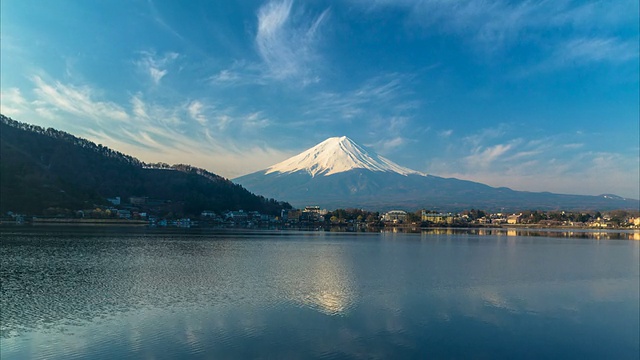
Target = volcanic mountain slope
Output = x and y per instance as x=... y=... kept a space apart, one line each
x=338 y=173
x=336 y=155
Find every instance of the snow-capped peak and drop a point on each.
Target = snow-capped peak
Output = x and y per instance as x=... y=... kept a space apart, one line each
x=336 y=155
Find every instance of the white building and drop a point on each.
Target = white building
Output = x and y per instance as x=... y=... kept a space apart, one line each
x=395 y=216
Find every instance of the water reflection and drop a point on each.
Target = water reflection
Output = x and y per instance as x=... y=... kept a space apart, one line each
x=322 y=282
x=312 y=295
x=526 y=232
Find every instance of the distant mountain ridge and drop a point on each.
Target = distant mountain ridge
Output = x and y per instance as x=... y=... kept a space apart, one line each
x=338 y=173
x=46 y=168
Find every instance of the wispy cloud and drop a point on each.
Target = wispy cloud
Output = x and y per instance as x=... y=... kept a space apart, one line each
x=286 y=41
x=588 y=50
x=500 y=21
x=557 y=33
x=167 y=118
x=183 y=132
x=77 y=100
x=383 y=107
x=240 y=72
x=386 y=93
x=139 y=107
x=485 y=156
x=223 y=121
x=492 y=22
x=522 y=155
x=573 y=145
x=539 y=164
x=583 y=52
x=489 y=22
x=255 y=121
x=391 y=133
x=195 y=111
x=12 y=103
x=482 y=136
x=389 y=144
x=225 y=76
x=287 y=44
x=578 y=173
x=158 y=18
x=445 y=133
x=155 y=66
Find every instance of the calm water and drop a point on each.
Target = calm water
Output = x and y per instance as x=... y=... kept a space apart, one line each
x=136 y=293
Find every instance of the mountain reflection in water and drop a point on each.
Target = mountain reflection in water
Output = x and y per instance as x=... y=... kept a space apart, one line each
x=597 y=234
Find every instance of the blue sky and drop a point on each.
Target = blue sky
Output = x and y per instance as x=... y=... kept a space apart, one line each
x=533 y=95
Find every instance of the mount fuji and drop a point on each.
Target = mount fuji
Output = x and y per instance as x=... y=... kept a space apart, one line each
x=338 y=173
x=336 y=155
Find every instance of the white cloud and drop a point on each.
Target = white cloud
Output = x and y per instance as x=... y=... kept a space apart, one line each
x=156 y=66
x=445 y=133
x=156 y=74
x=483 y=135
x=555 y=163
x=490 y=23
x=225 y=76
x=561 y=29
x=195 y=111
x=503 y=20
x=484 y=157
x=150 y=131
x=165 y=117
x=573 y=145
x=139 y=107
x=579 y=174
x=241 y=72
x=383 y=108
x=157 y=17
x=77 y=100
x=522 y=155
x=255 y=121
x=391 y=144
x=285 y=44
x=12 y=103
x=223 y=121
x=217 y=154
x=384 y=96
x=586 y=50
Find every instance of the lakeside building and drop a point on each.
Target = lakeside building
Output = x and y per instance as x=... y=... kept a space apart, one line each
x=308 y=214
x=236 y=216
x=437 y=218
x=395 y=216
x=313 y=214
x=514 y=219
x=315 y=209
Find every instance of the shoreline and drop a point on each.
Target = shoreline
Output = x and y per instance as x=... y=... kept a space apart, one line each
x=103 y=222
x=37 y=222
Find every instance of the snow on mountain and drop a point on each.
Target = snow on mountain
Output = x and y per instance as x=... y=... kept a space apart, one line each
x=336 y=155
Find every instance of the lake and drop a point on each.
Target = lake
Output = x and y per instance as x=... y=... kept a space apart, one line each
x=112 y=293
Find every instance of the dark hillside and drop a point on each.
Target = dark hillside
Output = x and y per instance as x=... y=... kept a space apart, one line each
x=46 y=168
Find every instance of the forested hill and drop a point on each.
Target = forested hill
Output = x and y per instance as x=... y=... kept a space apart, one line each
x=46 y=168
